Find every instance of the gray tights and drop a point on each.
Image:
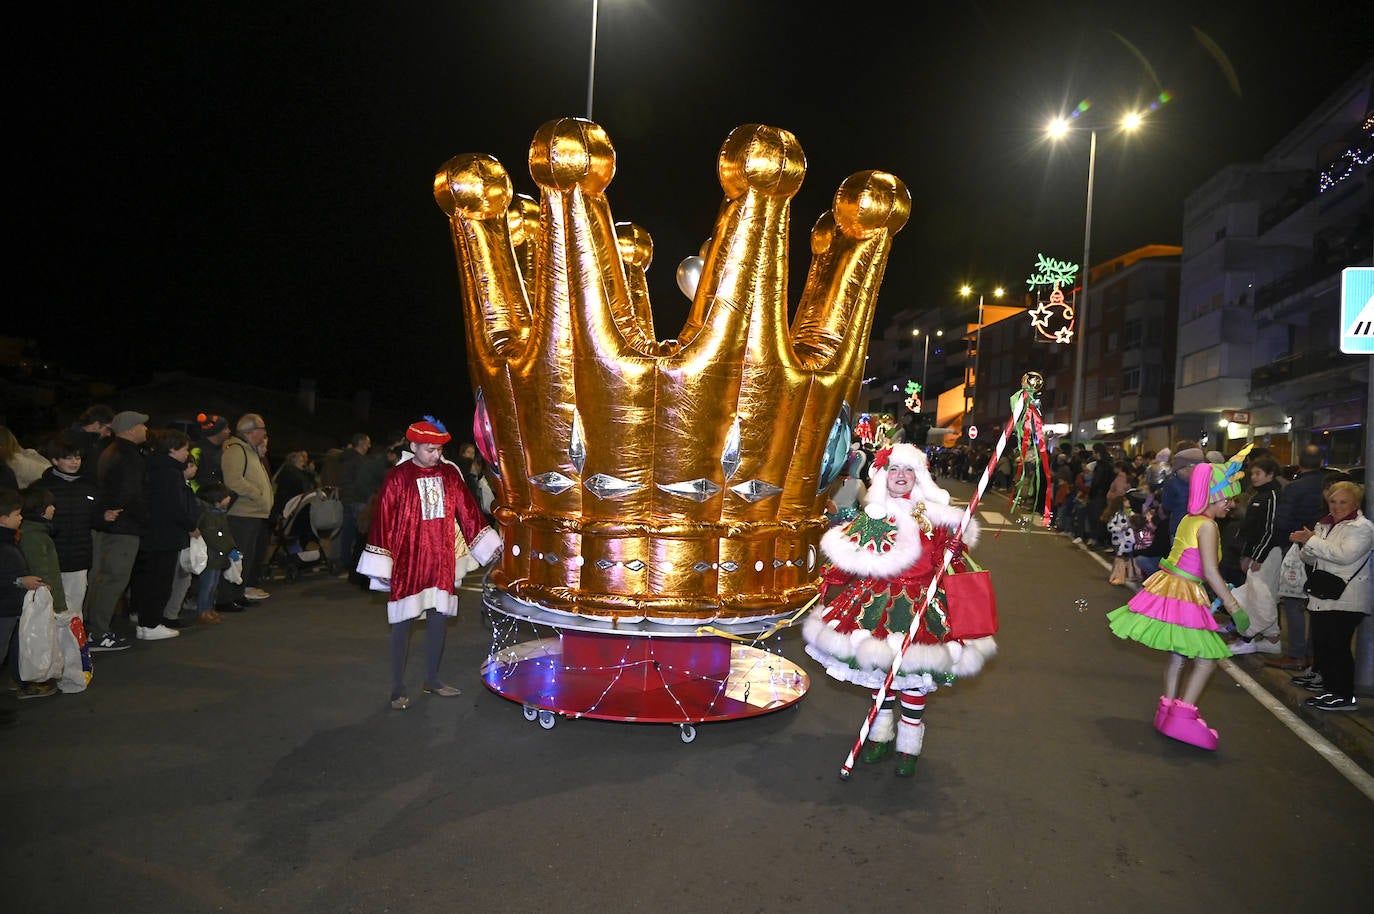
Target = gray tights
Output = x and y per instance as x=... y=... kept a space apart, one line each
x=435 y=632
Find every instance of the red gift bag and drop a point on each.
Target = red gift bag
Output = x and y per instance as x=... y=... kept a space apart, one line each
x=970 y=604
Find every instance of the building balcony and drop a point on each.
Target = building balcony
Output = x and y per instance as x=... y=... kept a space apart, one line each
x=1296 y=282
x=1294 y=368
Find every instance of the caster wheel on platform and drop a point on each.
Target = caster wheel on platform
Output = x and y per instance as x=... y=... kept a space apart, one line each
x=547 y=719
x=530 y=713
x=687 y=732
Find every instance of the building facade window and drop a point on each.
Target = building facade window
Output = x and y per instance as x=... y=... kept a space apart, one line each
x=1200 y=366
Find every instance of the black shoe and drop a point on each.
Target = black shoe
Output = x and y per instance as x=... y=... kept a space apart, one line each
x=235 y=607
x=175 y=623
x=1331 y=702
x=110 y=642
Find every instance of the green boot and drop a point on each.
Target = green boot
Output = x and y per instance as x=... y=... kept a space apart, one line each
x=876 y=752
x=910 y=736
x=881 y=738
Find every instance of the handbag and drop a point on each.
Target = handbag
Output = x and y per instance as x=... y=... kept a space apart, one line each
x=970 y=605
x=1326 y=586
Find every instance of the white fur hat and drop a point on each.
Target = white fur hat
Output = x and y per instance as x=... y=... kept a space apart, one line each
x=906 y=455
x=936 y=500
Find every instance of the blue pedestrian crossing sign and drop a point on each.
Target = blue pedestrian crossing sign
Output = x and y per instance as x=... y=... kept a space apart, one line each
x=1357 y=310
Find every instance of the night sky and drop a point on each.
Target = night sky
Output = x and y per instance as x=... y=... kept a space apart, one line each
x=244 y=190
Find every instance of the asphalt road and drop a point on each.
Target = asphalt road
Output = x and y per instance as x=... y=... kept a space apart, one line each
x=255 y=767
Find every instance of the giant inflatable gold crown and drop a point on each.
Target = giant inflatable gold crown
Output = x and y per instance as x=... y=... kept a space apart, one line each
x=677 y=480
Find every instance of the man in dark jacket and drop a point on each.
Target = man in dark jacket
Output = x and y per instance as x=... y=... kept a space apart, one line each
x=173 y=513
x=92 y=428
x=1300 y=504
x=116 y=543
x=209 y=449
x=353 y=493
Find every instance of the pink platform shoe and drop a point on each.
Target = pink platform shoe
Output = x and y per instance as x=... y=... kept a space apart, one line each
x=1165 y=706
x=1183 y=724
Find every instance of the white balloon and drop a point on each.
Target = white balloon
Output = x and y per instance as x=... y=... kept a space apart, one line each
x=689 y=274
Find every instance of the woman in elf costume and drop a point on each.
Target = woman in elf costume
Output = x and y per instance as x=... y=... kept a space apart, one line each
x=1172 y=610
x=881 y=563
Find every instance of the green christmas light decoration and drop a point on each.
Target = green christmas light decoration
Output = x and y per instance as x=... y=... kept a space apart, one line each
x=913 y=396
x=1050 y=326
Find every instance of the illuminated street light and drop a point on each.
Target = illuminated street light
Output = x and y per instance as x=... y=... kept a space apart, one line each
x=1059 y=127
x=965 y=291
x=925 y=360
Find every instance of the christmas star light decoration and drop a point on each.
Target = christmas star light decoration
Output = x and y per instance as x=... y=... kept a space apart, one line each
x=1055 y=273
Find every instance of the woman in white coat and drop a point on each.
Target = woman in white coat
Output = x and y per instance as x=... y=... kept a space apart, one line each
x=1340 y=544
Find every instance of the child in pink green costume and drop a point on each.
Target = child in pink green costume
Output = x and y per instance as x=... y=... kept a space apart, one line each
x=1172 y=610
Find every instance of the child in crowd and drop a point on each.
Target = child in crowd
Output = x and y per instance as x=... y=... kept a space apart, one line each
x=1120 y=529
x=1172 y=611
x=219 y=544
x=16 y=580
x=35 y=541
x=76 y=499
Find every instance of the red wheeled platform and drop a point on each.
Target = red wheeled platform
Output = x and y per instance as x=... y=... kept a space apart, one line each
x=650 y=673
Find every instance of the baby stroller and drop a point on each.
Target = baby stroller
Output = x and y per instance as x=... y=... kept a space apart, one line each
x=302 y=534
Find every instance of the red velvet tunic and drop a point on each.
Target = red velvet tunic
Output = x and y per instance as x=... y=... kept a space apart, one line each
x=415 y=549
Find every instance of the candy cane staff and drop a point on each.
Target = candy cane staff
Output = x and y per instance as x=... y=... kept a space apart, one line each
x=1172 y=612
x=883 y=566
x=1021 y=402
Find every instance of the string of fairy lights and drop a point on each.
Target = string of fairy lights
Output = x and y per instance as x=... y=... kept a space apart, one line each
x=517 y=641
x=1355 y=157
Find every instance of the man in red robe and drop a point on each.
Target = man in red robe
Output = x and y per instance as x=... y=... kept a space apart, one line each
x=427 y=532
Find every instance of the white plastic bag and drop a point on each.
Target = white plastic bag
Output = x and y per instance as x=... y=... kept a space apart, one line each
x=194 y=557
x=40 y=659
x=1260 y=605
x=1293 y=574
x=234 y=573
x=76 y=656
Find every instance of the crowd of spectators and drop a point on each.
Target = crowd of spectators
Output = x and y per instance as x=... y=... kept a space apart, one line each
x=1130 y=507
x=104 y=514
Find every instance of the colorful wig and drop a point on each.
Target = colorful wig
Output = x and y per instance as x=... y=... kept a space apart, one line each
x=1215 y=482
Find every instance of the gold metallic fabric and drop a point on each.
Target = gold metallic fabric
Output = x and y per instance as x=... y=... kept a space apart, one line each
x=679 y=479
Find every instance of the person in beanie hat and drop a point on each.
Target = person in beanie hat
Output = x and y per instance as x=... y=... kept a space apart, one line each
x=881 y=564
x=1173 y=498
x=208 y=449
x=427 y=532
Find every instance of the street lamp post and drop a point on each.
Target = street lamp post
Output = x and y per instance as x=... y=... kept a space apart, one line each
x=970 y=403
x=925 y=361
x=591 y=63
x=1081 y=312
x=1056 y=130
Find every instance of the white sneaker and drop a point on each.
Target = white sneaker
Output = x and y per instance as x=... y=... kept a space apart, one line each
x=1239 y=647
x=255 y=593
x=1265 y=646
x=156 y=633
